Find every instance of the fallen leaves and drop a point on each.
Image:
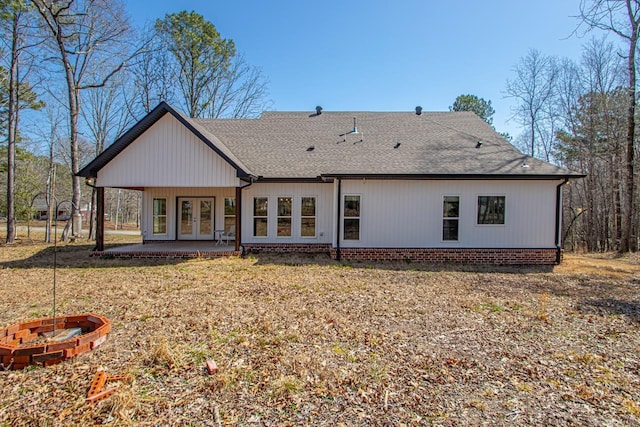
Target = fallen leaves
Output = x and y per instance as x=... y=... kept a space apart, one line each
x=305 y=340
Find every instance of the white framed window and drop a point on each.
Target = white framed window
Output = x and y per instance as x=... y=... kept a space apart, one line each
x=491 y=209
x=229 y=214
x=284 y=216
x=159 y=216
x=260 y=216
x=351 y=217
x=450 y=217
x=308 y=216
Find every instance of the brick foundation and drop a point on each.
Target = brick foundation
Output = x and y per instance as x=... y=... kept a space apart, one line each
x=17 y=349
x=465 y=256
x=436 y=255
x=288 y=248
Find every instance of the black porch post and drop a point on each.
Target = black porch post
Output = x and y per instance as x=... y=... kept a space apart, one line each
x=238 y=217
x=100 y=219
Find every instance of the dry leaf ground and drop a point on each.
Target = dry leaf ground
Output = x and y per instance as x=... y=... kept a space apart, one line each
x=310 y=341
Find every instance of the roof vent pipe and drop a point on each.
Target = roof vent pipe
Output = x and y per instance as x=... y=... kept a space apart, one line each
x=418 y=110
x=318 y=110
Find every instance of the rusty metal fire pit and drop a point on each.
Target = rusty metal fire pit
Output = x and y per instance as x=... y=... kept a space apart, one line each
x=41 y=342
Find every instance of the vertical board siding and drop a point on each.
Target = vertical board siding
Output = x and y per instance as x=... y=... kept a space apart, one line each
x=408 y=214
x=167 y=154
x=324 y=212
x=172 y=194
x=394 y=214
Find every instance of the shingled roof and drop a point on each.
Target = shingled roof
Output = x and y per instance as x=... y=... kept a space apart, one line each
x=303 y=145
x=300 y=145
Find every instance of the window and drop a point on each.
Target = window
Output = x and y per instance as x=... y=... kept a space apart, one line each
x=159 y=216
x=230 y=214
x=450 y=217
x=491 y=209
x=260 y=223
x=351 y=217
x=308 y=217
x=284 y=216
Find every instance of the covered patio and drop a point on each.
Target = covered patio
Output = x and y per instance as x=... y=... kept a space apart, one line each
x=170 y=249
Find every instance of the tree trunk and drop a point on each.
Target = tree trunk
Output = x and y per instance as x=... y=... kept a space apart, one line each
x=627 y=242
x=13 y=132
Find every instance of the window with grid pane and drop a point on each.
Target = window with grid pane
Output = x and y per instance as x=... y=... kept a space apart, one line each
x=351 y=214
x=229 y=214
x=450 y=217
x=284 y=216
x=160 y=216
x=308 y=217
x=260 y=218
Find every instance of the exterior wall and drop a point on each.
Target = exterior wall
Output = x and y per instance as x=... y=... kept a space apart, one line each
x=172 y=194
x=408 y=214
x=167 y=154
x=324 y=212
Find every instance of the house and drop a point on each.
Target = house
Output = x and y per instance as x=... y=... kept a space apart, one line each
x=429 y=186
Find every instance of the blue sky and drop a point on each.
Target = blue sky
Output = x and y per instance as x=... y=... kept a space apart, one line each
x=385 y=56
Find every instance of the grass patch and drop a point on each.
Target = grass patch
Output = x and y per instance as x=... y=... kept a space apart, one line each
x=310 y=341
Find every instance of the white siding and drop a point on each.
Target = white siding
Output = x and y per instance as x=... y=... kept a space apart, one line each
x=394 y=214
x=408 y=214
x=324 y=211
x=172 y=194
x=167 y=154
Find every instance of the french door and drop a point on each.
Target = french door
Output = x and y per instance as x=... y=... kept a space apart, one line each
x=195 y=218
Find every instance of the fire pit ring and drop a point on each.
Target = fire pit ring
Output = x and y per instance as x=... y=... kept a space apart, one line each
x=33 y=343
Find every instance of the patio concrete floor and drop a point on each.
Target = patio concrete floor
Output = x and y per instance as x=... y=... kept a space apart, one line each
x=172 y=249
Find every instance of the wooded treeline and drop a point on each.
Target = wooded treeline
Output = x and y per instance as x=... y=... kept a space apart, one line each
x=87 y=75
x=83 y=74
x=581 y=114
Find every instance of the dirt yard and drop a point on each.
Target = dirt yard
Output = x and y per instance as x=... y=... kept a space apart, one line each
x=309 y=341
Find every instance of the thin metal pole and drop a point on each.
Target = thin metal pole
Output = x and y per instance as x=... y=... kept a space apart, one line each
x=55 y=265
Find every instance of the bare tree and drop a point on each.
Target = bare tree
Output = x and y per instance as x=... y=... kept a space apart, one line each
x=590 y=100
x=152 y=74
x=623 y=19
x=238 y=92
x=20 y=96
x=91 y=41
x=207 y=76
x=106 y=115
x=534 y=88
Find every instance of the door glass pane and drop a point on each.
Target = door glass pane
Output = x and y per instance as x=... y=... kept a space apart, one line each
x=186 y=217
x=206 y=218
